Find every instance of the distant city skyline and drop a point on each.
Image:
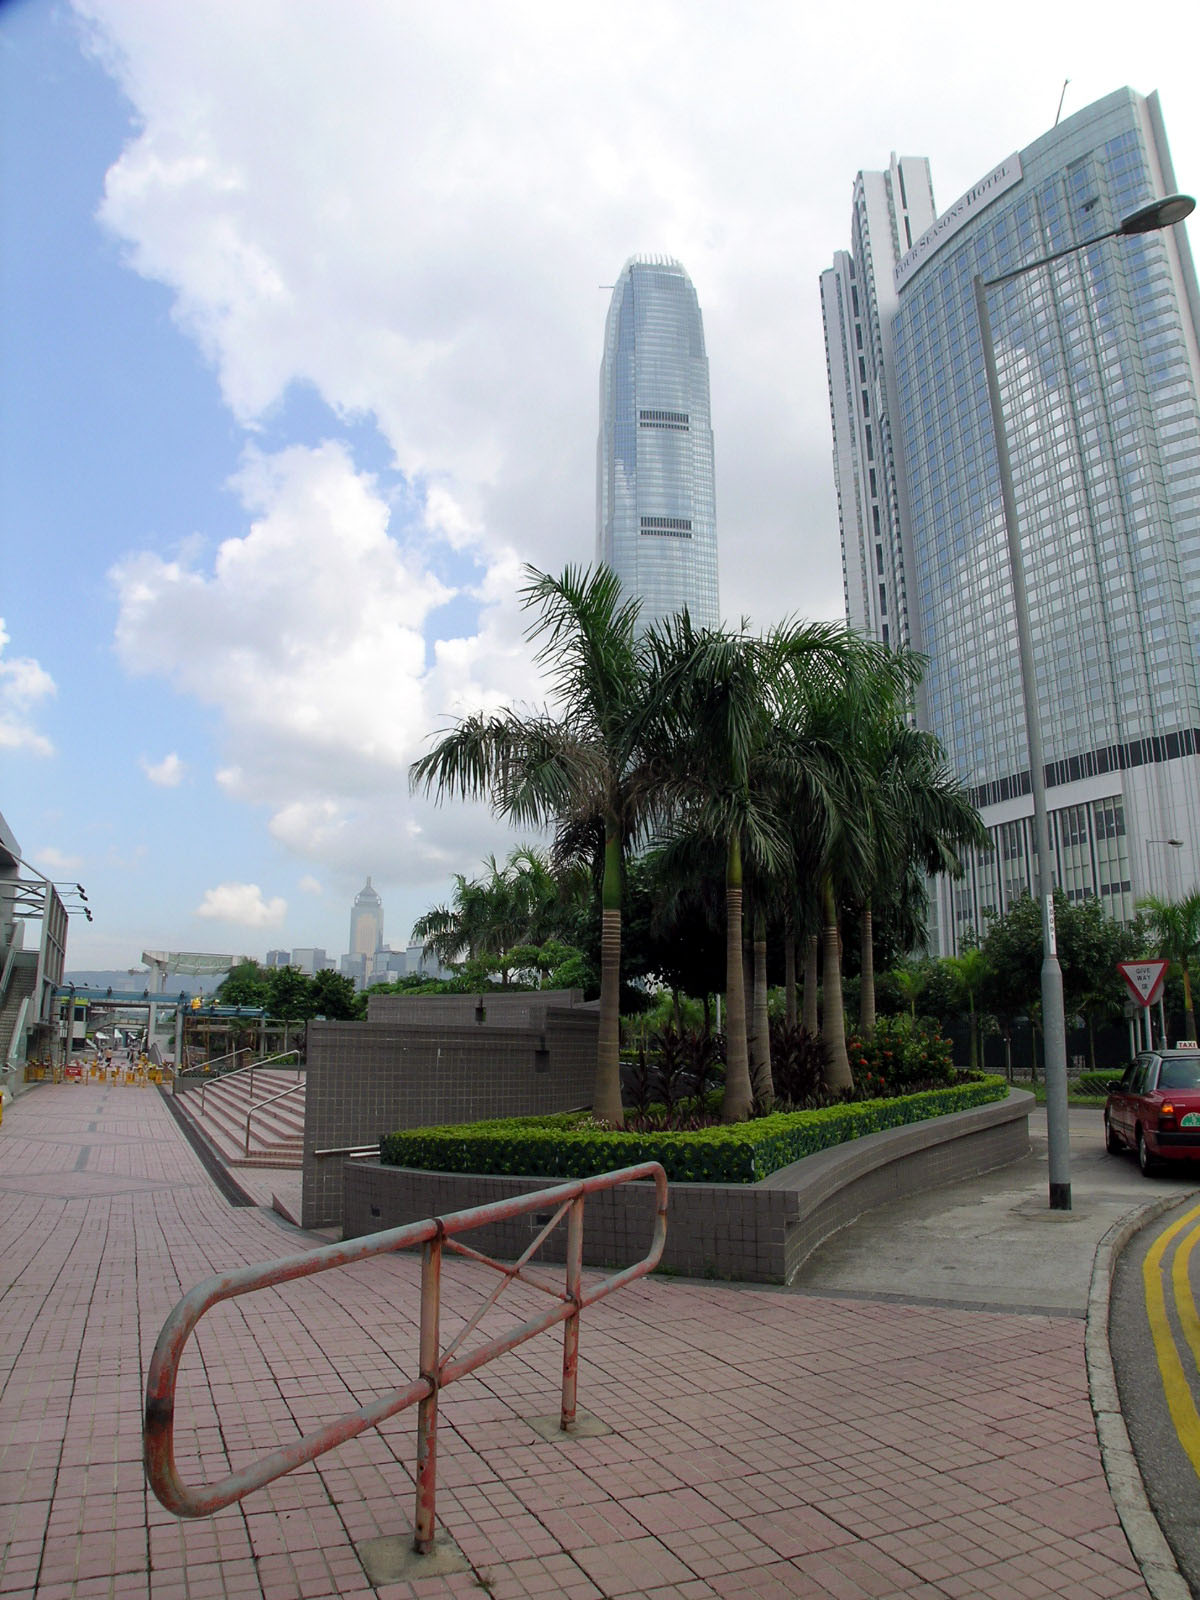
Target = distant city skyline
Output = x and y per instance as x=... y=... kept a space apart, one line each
x=1099 y=359
x=656 y=515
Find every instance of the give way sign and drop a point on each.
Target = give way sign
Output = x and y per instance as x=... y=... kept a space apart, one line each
x=1145 y=979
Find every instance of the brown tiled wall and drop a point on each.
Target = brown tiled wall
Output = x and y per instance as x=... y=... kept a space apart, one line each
x=760 y=1233
x=366 y=1079
x=522 y=1009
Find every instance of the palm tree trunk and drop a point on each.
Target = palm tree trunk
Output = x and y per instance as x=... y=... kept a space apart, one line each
x=812 y=963
x=866 y=1000
x=833 y=1021
x=789 y=975
x=764 y=1087
x=606 y=1096
x=738 y=1094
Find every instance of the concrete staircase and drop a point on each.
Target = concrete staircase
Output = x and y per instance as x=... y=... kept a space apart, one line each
x=276 y=1130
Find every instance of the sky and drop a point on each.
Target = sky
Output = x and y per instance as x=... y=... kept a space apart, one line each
x=303 y=307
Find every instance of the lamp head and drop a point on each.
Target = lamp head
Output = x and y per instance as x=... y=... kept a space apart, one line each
x=1158 y=214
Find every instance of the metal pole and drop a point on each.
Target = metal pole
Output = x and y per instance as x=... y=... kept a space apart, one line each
x=427 y=1409
x=571 y=1325
x=1054 y=1022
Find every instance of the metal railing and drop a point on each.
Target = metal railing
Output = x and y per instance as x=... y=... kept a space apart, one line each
x=437 y=1366
x=253 y=1067
x=260 y=1105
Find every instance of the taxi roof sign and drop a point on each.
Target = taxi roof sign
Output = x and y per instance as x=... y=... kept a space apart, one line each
x=1145 y=979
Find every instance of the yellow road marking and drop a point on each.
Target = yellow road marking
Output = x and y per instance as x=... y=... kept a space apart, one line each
x=1185 y=1304
x=1178 y=1395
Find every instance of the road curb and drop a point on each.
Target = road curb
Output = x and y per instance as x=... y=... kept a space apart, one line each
x=1146 y=1539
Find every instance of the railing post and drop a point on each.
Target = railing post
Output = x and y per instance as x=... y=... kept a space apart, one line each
x=571 y=1325
x=427 y=1409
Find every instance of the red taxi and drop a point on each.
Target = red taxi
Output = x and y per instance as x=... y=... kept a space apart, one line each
x=1155 y=1109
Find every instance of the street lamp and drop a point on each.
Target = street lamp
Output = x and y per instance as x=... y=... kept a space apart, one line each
x=1174 y=844
x=1147 y=219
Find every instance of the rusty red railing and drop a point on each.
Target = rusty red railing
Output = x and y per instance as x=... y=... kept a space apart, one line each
x=437 y=1367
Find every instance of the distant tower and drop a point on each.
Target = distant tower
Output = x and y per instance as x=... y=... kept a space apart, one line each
x=366 y=923
x=655 y=491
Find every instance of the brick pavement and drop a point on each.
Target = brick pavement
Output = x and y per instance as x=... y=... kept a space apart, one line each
x=763 y=1445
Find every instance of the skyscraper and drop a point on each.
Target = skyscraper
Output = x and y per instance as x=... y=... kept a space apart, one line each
x=366 y=923
x=655 y=491
x=1099 y=364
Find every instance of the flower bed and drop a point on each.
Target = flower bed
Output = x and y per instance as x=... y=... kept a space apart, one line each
x=568 y=1146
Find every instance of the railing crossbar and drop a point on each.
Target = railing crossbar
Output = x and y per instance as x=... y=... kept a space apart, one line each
x=508 y=1271
x=438 y=1367
x=509 y=1268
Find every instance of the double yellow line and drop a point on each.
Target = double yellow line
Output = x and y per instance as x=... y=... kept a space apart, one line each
x=1176 y=1387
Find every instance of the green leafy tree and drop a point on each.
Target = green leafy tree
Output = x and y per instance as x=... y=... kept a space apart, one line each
x=1174 y=928
x=246 y=985
x=289 y=995
x=333 y=996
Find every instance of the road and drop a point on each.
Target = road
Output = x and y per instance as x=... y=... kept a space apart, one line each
x=1155 y=1340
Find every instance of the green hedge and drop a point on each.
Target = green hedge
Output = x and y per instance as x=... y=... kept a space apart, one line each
x=566 y=1147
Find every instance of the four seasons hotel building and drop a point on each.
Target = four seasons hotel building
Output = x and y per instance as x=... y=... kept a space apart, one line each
x=1099 y=365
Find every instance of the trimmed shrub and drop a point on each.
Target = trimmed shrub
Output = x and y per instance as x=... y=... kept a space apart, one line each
x=899 y=1053
x=570 y=1146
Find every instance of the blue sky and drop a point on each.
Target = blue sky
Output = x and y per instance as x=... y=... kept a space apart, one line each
x=302 y=329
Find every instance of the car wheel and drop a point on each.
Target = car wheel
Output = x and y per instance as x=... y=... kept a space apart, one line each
x=1146 y=1161
x=1111 y=1143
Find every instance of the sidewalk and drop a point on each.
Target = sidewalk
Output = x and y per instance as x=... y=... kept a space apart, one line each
x=763 y=1445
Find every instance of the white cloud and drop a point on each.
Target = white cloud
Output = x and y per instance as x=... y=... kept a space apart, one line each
x=22 y=684
x=310 y=885
x=167 y=773
x=55 y=860
x=311 y=635
x=242 y=904
x=423 y=243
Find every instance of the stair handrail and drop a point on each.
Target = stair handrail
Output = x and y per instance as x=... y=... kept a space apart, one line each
x=437 y=1367
x=251 y=1068
x=203 y=1066
x=260 y=1104
x=11 y=1056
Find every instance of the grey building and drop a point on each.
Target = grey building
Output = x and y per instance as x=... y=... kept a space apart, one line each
x=655 y=488
x=1100 y=374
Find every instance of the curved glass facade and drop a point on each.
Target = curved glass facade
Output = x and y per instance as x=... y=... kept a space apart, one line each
x=655 y=490
x=1099 y=367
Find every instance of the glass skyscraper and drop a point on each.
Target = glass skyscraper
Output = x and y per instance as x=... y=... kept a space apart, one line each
x=1099 y=363
x=655 y=493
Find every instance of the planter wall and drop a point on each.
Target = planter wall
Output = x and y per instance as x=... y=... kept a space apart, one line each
x=760 y=1233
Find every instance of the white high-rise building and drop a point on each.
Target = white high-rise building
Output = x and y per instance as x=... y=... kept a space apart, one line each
x=1099 y=362
x=655 y=490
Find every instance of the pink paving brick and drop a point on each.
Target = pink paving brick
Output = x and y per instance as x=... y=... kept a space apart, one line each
x=763 y=1446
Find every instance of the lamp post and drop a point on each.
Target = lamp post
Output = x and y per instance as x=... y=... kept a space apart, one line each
x=1148 y=219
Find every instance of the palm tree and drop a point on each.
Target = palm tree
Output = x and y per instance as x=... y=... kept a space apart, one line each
x=969 y=972
x=910 y=983
x=921 y=815
x=1175 y=928
x=585 y=762
x=744 y=763
x=517 y=904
